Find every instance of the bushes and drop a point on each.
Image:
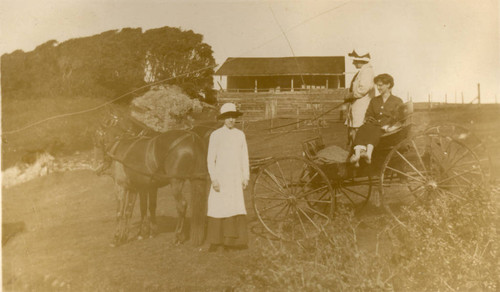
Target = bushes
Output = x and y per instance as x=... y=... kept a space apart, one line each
x=163 y=108
x=452 y=245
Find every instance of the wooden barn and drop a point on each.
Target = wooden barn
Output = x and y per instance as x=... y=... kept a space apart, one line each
x=268 y=88
x=281 y=74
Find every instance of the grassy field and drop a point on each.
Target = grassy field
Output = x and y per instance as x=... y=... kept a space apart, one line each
x=67 y=221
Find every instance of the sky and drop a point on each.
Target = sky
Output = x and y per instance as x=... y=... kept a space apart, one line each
x=432 y=48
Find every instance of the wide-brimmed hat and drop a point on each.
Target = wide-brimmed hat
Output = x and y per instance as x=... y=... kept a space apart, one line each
x=228 y=110
x=357 y=57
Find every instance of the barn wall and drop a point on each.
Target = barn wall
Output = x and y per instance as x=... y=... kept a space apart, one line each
x=283 y=83
x=266 y=105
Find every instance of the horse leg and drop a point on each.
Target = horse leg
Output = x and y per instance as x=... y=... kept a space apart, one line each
x=153 y=195
x=121 y=234
x=121 y=200
x=181 y=207
x=199 y=194
x=143 y=199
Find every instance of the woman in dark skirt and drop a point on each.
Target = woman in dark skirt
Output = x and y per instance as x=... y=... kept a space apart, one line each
x=383 y=112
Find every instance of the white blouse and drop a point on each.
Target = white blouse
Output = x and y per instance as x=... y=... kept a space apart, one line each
x=228 y=164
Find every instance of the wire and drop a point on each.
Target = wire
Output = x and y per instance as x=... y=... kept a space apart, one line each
x=164 y=80
x=99 y=106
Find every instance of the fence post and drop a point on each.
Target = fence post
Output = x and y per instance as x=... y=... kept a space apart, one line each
x=478 y=93
x=298 y=116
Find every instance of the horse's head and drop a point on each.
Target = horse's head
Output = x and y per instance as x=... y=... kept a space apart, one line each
x=105 y=136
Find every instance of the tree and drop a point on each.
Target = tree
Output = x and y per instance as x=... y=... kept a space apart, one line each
x=110 y=64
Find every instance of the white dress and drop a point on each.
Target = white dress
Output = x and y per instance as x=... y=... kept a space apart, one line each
x=227 y=162
x=363 y=89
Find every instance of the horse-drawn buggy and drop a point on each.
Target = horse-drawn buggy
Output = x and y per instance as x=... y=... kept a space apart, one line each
x=294 y=197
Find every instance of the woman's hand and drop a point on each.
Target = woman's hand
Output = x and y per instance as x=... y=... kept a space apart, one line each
x=215 y=185
x=245 y=183
x=385 y=128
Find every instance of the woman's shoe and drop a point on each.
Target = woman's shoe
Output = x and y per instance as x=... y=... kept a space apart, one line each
x=366 y=157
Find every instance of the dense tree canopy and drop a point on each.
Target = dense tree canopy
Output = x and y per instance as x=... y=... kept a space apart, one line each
x=109 y=64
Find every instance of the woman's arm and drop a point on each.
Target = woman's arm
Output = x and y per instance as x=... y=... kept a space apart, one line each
x=364 y=82
x=371 y=113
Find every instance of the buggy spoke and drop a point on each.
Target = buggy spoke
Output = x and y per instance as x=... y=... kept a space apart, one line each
x=273 y=177
x=357 y=193
x=341 y=194
x=270 y=188
x=410 y=164
x=302 y=195
x=282 y=174
x=416 y=189
x=309 y=218
x=444 y=191
x=301 y=223
x=418 y=155
x=456 y=161
x=309 y=181
x=418 y=196
x=456 y=175
x=271 y=198
x=389 y=184
x=316 y=212
x=273 y=206
x=287 y=207
x=405 y=174
x=315 y=201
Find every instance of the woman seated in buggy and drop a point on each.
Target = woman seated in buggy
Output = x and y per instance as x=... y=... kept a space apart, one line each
x=384 y=114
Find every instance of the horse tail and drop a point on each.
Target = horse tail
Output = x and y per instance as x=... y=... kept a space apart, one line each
x=199 y=194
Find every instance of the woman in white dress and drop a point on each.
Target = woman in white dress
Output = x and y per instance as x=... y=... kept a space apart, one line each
x=229 y=170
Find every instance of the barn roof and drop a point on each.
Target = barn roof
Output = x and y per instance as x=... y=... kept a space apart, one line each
x=282 y=66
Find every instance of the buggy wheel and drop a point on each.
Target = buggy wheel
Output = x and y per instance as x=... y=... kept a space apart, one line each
x=464 y=135
x=352 y=193
x=292 y=198
x=425 y=167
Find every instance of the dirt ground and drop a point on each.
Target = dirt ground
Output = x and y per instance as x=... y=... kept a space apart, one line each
x=65 y=221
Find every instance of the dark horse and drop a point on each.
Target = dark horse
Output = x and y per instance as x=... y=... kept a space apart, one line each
x=140 y=164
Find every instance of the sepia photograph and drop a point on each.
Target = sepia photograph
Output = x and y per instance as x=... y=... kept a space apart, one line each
x=250 y=145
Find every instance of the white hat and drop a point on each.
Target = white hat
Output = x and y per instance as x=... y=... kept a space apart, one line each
x=228 y=110
x=356 y=57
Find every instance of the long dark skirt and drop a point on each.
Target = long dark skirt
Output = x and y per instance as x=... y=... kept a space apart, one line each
x=231 y=231
x=368 y=134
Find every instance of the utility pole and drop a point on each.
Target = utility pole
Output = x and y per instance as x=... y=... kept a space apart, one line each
x=462 y=97
x=445 y=98
x=430 y=101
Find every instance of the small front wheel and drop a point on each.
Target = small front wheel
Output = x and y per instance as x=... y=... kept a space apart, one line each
x=292 y=198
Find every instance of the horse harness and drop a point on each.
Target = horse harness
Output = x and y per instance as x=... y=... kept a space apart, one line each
x=154 y=175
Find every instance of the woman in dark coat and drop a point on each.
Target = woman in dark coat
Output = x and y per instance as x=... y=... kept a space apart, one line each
x=383 y=112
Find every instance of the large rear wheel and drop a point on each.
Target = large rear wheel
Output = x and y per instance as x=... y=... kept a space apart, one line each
x=425 y=166
x=468 y=138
